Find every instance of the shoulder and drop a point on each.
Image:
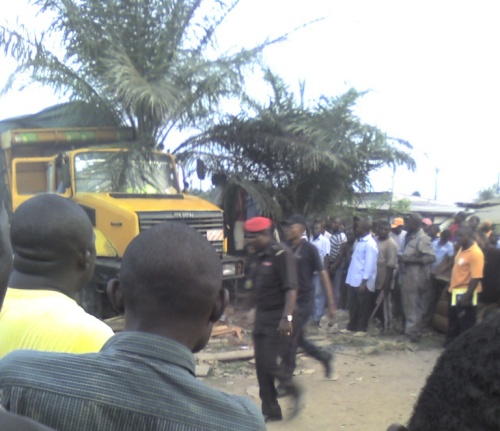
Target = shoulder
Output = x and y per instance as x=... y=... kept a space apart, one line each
x=243 y=412
x=28 y=367
x=371 y=241
x=392 y=244
x=476 y=250
x=278 y=249
x=309 y=247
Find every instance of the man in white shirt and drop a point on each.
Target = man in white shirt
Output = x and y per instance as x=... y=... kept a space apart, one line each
x=323 y=247
x=361 y=278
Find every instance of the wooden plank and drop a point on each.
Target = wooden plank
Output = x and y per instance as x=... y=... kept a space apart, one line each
x=225 y=356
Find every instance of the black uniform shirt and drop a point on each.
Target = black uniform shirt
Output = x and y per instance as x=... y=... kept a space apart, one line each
x=308 y=263
x=275 y=273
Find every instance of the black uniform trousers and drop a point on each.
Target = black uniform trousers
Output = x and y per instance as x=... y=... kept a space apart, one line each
x=298 y=339
x=268 y=348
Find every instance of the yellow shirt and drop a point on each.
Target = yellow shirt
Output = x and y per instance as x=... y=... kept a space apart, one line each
x=50 y=321
x=468 y=264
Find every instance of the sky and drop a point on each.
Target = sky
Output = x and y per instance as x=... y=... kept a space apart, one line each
x=430 y=70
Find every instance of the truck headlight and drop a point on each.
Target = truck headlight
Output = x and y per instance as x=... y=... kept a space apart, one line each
x=229 y=269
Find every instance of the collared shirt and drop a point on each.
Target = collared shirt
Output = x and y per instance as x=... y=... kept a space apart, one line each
x=336 y=240
x=48 y=320
x=469 y=264
x=274 y=273
x=138 y=381
x=322 y=244
x=441 y=250
x=363 y=264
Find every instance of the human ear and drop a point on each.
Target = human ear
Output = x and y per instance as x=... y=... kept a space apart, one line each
x=115 y=295
x=84 y=259
x=220 y=305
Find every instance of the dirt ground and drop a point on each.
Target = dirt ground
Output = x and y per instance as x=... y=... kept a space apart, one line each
x=376 y=380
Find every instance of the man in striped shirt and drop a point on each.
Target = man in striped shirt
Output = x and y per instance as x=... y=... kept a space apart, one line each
x=335 y=268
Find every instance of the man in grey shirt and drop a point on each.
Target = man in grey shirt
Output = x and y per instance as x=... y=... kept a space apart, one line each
x=415 y=268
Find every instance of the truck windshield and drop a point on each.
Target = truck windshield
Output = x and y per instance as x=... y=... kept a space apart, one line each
x=125 y=172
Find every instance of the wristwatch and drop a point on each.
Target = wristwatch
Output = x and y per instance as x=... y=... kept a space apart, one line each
x=289 y=318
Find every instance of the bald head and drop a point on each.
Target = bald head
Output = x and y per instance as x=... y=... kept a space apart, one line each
x=50 y=236
x=170 y=272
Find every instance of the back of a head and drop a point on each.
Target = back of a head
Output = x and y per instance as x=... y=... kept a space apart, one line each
x=5 y=253
x=170 y=270
x=463 y=391
x=47 y=232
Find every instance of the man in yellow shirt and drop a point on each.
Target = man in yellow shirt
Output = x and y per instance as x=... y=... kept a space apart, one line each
x=465 y=283
x=54 y=256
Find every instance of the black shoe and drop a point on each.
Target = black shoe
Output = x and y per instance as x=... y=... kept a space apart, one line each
x=298 y=402
x=283 y=390
x=291 y=388
x=273 y=418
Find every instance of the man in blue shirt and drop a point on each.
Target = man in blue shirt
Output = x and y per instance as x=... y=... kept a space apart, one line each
x=361 y=279
x=169 y=289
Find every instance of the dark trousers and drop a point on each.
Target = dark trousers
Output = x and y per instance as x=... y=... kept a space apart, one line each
x=359 y=308
x=436 y=289
x=268 y=348
x=298 y=340
x=460 y=319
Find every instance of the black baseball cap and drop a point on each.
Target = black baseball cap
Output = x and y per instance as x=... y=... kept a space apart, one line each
x=296 y=219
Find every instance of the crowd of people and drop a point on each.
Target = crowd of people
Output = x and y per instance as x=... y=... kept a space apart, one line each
x=396 y=272
x=64 y=369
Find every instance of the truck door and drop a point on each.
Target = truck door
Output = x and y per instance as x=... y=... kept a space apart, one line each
x=35 y=175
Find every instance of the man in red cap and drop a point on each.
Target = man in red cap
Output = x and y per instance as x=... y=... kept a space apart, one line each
x=274 y=281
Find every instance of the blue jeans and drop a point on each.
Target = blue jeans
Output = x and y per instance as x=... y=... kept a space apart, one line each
x=319 y=299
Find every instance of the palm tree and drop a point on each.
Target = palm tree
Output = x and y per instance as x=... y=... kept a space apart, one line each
x=304 y=158
x=149 y=64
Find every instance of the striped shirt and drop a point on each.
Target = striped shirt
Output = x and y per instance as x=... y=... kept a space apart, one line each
x=336 y=240
x=138 y=381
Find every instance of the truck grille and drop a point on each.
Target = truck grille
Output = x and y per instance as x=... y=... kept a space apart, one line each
x=204 y=222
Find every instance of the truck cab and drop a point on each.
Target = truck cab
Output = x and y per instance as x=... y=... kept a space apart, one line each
x=122 y=190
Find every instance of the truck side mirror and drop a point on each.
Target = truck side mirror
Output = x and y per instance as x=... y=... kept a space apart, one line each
x=201 y=170
x=63 y=173
x=66 y=176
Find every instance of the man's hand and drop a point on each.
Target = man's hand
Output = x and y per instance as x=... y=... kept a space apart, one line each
x=285 y=328
x=362 y=287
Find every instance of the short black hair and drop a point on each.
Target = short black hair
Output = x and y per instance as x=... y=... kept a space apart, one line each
x=383 y=223
x=463 y=391
x=48 y=230
x=172 y=266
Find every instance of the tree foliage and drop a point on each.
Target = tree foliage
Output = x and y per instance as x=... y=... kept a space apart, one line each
x=150 y=64
x=487 y=193
x=304 y=157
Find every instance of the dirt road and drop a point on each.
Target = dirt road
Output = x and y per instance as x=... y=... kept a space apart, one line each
x=377 y=381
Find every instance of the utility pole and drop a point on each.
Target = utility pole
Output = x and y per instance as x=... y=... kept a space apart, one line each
x=436 y=184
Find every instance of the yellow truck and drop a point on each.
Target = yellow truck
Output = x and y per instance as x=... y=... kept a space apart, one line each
x=122 y=191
